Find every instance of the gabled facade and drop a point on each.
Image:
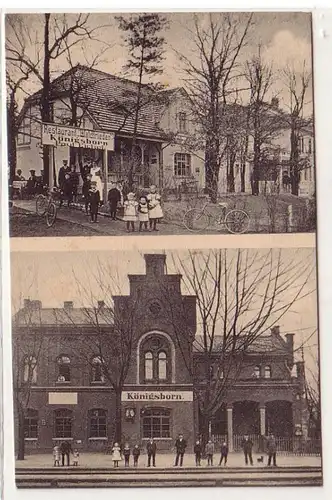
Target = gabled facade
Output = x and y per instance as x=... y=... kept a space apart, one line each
x=71 y=398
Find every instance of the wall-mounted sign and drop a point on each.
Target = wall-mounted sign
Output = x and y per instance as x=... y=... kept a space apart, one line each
x=60 y=135
x=62 y=398
x=157 y=396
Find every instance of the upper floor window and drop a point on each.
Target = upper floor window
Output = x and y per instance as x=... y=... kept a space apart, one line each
x=182 y=164
x=183 y=124
x=267 y=371
x=63 y=423
x=97 y=423
x=24 y=134
x=30 y=370
x=257 y=371
x=31 y=424
x=155 y=360
x=97 y=374
x=63 y=369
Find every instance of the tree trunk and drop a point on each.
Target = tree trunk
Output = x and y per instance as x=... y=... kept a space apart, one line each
x=118 y=416
x=45 y=104
x=20 y=434
x=11 y=138
x=230 y=174
x=211 y=170
x=243 y=177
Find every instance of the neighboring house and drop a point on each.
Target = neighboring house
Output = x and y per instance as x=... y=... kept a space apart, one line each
x=72 y=398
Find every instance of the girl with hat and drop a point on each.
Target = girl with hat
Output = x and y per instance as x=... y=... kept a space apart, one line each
x=130 y=212
x=155 y=210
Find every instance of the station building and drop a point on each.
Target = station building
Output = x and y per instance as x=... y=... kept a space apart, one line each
x=67 y=390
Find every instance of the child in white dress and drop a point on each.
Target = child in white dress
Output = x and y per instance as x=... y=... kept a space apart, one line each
x=56 y=456
x=143 y=213
x=155 y=210
x=76 y=456
x=116 y=454
x=130 y=212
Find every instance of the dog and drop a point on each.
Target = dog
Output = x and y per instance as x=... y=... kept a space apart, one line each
x=260 y=459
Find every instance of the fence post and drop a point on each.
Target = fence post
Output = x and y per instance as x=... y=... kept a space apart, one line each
x=290 y=218
x=230 y=427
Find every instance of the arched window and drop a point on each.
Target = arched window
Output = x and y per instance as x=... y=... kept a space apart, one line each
x=257 y=371
x=63 y=369
x=31 y=424
x=156 y=423
x=97 y=374
x=148 y=365
x=155 y=357
x=63 y=423
x=97 y=423
x=267 y=371
x=162 y=365
x=30 y=370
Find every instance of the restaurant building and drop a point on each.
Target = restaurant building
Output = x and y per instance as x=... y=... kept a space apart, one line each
x=58 y=363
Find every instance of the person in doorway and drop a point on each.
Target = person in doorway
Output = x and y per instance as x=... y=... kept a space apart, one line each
x=94 y=202
x=198 y=452
x=65 y=450
x=143 y=213
x=136 y=454
x=62 y=172
x=130 y=212
x=151 y=449
x=209 y=451
x=223 y=453
x=155 y=210
x=126 y=454
x=247 y=445
x=18 y=176
x=285 y=181
x=180 y=448
x=116 y=454
x=271 y=450
x=114 y=199
x=85 y=191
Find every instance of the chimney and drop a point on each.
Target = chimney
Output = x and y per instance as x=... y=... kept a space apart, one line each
x=275 y=102
x=155 y=264
x=68 y=304
x=101 y=304
x=34 y=305
x=300 y=370
x=275 y=330
x=290 y=341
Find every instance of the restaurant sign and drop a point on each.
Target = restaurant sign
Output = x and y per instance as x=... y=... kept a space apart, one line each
x=157 y=396
x=59 y=135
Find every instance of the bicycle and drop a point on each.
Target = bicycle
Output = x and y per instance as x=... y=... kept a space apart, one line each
x=46 y=207
x=198 y=219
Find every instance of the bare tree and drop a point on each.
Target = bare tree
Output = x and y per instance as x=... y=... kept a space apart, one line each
x=59 y=36
x=210 y=81
x=264 y=123
x=240 y=296
x=297 y=85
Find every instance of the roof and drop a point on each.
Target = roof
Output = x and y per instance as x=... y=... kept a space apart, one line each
x=262 y=344
x=111 y=100
x=45 y=317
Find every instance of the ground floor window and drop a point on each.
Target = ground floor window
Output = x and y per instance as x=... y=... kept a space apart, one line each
x=31 y=424
x=63 y=423
x=98 y=423
x=182 y=163
x=156 y=423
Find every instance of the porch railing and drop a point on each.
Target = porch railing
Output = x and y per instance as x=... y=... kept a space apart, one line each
x=285 y=445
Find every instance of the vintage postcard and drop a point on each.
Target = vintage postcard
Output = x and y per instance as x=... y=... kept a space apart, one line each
x=182 y=348
x=177 y=123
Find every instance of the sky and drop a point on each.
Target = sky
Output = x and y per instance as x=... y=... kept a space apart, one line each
x=285 y=39
x=67 y=271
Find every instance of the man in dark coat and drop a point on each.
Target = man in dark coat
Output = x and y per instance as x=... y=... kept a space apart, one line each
x=272 y=450
x=85 y=191
x=247 y=445
x=180 y=447
x=65 y=449
x=74 y=179
x=151 y=449
x=62 y=173
x=114 y=197
x=94 y=201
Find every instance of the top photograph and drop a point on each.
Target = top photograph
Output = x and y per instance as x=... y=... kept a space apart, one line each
x=160 y=123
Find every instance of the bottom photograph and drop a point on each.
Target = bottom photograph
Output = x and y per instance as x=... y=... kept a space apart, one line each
x=166 y=368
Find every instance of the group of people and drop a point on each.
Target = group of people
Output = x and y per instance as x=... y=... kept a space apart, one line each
x=119 y=453
x=64 y=451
